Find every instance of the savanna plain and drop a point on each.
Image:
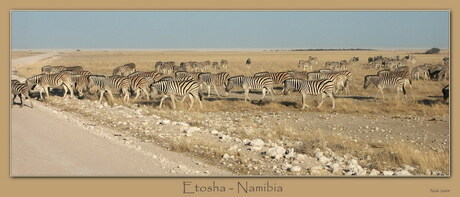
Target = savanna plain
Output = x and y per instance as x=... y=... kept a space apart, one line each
x=363 y=135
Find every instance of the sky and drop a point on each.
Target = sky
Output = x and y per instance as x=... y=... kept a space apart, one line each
x=229 y=29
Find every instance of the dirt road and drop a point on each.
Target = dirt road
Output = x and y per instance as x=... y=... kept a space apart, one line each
x=46 y=142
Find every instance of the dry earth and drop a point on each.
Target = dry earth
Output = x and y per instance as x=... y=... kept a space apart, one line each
x=363 y=136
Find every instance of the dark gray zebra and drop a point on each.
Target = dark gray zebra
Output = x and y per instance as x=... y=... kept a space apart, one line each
x=124 y=70
x=219 y=79
x=52 y=69
x=325 y=87
x=137 y=84
x=224 y=63
x=49 y=81
x=21 y=90
x=386 y=82
x=251 y=83
x=109 y=84
x=80 y=83
x=177 y=88
x=215 y=65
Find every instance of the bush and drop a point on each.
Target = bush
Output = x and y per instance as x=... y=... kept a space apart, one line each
x=433 y=51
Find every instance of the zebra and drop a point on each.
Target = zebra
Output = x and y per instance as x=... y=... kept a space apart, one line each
x=305 y=64
x=313 y=60
x=179 y=88
x=20 y=89
x=386 y=82
x=248 y=62
x=445 y=93
x=219 y=79
x=277 y=78
x=79 y=72
x=215 y=65
x=332 y=65
x=73 y=68
x=325 y=87
x=137 y=84
x=298 y=74
x=340 y=79
x=250 y=83
x=181 y=74
x=445 y=61
x=235 y=80
x=52 y=69
x=80 y=82
x=109 y=84
x=124 y=70
x=420 y=72
x=51 y=80
x=153 y=75
x=354 y=60
x=224 y=63
x=405 y=74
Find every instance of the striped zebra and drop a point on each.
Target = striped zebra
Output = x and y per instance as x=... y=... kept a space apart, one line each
x=124 y=70
x=80 y=83
x=177 y=88
x=73 y=68
x=49 y=81
x=224 y=63
x=445 y=93
x=405 y=74
x=325 y=87
x=277 y=78
x=340 y=79
x=52 y=69
x=154 y=75
x=386 y=82
x=420 y=72
x=234 y=81
x=109 y=84
x=313 y=60
x=304 y=64
x=332 y=65
x=298 y=74
x=79 y=72
x=137 y=84
x=219 y=79
x=20 y=89
x=215 y=65
x=251 y=83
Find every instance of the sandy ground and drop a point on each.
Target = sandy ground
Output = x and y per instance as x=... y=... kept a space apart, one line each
x=46 y=142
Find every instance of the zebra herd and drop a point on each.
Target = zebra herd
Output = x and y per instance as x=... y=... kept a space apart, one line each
x=188 y=79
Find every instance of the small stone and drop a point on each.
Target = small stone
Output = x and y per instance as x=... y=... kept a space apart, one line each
x=164 y=122
x=225 y=156
x=295 y=169
x=214 y=132
x=319 y=154
x=388 y=173
x=257 y=142
x=403 y=173
x=324 y=159
x=374 y=172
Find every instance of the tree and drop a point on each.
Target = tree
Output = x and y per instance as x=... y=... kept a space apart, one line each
x=433 y=51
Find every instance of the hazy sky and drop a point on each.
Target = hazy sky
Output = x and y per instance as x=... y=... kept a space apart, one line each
x=229 y=30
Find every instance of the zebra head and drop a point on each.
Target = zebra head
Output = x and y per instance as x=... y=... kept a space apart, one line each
x=370 y=79
x=229 y=85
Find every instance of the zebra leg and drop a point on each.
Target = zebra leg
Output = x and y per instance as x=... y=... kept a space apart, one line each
x=383 y=95
x=304 y=101
x=47 y=93
x=30 y=100
x=332 y=98
x=270 y=91
x=173 y=98
x=12 y=103
x=246 y=94
x=215 y=89
x=263 y=93
x=323 y=95
x=65 y=91
x=126 y=95
x=191 y=101
x=162 y=99
x=138 y=91
x=146 y=93
x=20 y=97
x=209 y=90
x=102 y=94
x=111 y=95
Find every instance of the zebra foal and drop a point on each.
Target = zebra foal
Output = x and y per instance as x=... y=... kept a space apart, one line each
x=20 y=89
x=386 y=82
x=325 y=87
x=177 y=88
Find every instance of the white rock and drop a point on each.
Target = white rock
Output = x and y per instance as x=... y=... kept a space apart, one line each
x=275 y=151
x=324 y=159
x=225 y=156
x=257 y=142
x=336 y=168
x=374 y=172
x=295 y=169
x=214 y=132
x=388 y=173
x=164 y=122
x=319 y=154
x=361 y=172
x=184 y=124
x=403 y=173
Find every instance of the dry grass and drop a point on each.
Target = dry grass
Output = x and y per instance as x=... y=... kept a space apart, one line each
x=423 y=100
